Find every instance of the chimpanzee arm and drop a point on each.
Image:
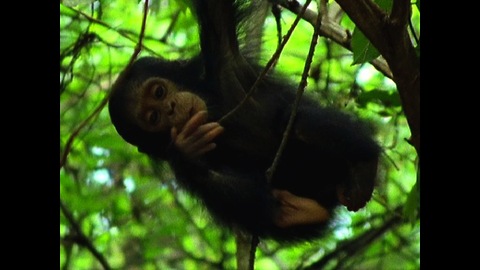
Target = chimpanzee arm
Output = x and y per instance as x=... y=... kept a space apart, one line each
x=247 y=200
x=220 y=24
x=231 y=197
x=227 y=71
x=229 y=194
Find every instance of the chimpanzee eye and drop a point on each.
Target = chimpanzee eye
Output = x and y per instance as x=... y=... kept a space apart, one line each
x=153 y=118
x=159 y=91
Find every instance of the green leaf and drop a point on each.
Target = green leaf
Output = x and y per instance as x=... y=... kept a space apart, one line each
x=385 y=4
x=363 y=50
x=386 y=98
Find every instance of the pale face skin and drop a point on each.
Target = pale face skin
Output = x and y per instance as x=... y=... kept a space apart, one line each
x=162 y=106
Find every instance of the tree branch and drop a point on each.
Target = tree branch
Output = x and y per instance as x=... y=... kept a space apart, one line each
x=389 y=34
x=103 y=103
x=269 y=65
x=246 y=248
x=352 y=246
x=300 y=91
x=81 y=239
x=333 y=31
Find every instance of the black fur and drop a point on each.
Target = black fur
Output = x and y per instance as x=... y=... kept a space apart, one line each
x=325 y=149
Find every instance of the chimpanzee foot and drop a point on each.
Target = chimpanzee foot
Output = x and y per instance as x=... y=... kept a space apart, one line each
x=295 y=210
x=355 y=194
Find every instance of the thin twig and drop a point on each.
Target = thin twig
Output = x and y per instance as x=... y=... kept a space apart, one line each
x=300 y=90
x=129 y=35
x=81 y=239
x=104 y=102
x=269 y=65
x=352 y=246
x=170 y=27
x=332 y=30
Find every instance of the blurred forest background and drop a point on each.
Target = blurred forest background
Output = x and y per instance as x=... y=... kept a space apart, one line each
x=120 y=211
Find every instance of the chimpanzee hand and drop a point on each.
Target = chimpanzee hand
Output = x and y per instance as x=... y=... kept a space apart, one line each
x=195 y=138
x=295 y=210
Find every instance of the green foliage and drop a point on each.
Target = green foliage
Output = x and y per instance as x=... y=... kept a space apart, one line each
x=363 y=50
x=385 y=4
x=131 y=211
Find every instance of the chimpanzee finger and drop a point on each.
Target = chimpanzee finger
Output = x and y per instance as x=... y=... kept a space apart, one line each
x=193 y=123
x=204 y=135
x=207 y=132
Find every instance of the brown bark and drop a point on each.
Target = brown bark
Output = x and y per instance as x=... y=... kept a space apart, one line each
x=389 y=34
